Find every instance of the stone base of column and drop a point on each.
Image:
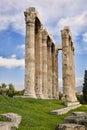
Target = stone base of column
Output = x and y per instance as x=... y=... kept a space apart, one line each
x=45 y=96
x=30 y=96
x=69 y=98
x=56 y=98
x=26 y=95
x=50 y=97
x=40 y=96
x=71 y=103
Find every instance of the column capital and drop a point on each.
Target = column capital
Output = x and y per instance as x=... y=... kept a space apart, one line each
x=44 y=34
x=29 y=17
x=65 y=33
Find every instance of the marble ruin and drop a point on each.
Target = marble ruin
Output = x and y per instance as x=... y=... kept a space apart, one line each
x=41 y=61
x=68 y=67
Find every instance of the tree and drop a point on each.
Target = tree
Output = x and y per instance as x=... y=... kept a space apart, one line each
x=3 y=89
x=85 y=87
x=11 y=90
x=20 y=92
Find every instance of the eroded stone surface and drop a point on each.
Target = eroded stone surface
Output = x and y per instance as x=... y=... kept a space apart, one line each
x=66 y=109
x=69 y=127
x=68 y=65
x=41 y=61
x=77 y=118
x=14 y=119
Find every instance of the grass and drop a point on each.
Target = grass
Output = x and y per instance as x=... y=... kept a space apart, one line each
x=35 y=112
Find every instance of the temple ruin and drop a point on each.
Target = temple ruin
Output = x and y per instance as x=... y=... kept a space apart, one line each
x=41 y=61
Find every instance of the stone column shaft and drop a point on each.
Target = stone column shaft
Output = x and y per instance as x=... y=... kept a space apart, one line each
x=49 y=68
x=44 y=65
x=53 y=75
x=56 y=71
x=66 y=70
x=30 y=60
x=38 y=64
x=73 y=73
x=68 y=66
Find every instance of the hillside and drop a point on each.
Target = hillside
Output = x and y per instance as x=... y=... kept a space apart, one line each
x=35 y=112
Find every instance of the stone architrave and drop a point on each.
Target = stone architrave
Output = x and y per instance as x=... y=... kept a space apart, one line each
x=67 y=66
x=30 y=54
x=44 y=64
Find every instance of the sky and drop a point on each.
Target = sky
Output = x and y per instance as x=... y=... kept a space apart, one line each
x=55 y=14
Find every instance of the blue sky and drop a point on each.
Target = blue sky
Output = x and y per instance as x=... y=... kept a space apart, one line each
x=55 y=15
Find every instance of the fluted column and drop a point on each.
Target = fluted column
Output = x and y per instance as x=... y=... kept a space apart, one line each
x=73 y=71
x=55 y=89
x=67 y=64
x=53 y=72
x=49 y=68
x=38 y=63
x=56 y=72
x=30 y=56
x=44 y=64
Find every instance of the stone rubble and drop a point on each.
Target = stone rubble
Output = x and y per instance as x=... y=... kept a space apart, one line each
x=14 y=119
x=76 y=121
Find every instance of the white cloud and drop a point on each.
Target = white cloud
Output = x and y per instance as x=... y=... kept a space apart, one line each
x=21 y=46
x=15 y=21
x=11 y=62
x=12 y=13
x=77 y=23
x=85 y=37
x=13 y=56
x=54 y=18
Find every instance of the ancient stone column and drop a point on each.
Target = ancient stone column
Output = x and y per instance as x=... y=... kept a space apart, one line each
x=30 y=55
x=73 y=69
x=49 y=68
x=38 y=62
x=44 y=64
x=53 y=72
x=56 y=72
x=67 y=64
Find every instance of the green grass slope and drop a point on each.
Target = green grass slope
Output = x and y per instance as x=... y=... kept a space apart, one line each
x=35 y=112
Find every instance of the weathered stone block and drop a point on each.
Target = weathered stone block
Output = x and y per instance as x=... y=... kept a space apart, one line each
x=15 y=121
x=69 y=127
x=65 y=110
x=77 y=118
x=78 y=114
